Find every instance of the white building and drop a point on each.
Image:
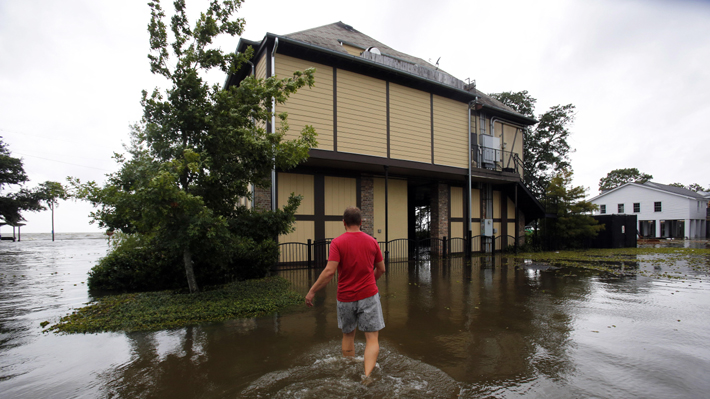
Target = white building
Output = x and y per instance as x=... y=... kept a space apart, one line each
x=661 y=210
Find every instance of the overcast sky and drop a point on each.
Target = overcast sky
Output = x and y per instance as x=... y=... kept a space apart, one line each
x=71 y=73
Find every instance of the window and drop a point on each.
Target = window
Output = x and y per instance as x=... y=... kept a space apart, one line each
x=657 y=207
x=621 y=208
x=637 y=207
x=602 y=209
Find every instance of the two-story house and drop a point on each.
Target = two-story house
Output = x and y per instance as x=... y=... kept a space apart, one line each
x=662 y=211
x=394 y=132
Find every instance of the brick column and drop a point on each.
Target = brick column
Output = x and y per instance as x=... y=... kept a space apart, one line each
x=367 y=204
x=262 y=198
x=440 y=211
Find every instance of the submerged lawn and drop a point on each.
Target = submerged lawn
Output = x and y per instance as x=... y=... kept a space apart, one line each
x=656 y=262
x=166 y=309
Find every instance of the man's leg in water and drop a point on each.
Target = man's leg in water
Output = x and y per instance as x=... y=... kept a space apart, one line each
x=372 y=350
x=349 y=344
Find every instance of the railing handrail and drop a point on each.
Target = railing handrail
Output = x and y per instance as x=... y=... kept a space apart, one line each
x=506 y=157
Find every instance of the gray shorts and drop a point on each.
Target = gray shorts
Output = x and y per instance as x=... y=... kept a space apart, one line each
x=365 y=314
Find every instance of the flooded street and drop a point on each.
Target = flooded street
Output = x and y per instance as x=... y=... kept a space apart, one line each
x=488 y=329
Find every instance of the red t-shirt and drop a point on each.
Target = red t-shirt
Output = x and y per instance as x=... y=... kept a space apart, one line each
x=356 y=254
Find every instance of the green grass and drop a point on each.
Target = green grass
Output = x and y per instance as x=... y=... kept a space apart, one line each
x=665 y=262
x=163 y=310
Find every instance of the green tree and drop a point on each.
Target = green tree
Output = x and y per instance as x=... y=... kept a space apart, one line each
x=573 y=224
x=545 y=147
x=692 y=187
x=12 y=173
x=198 y=149
x=50 y=192
x=619 y=177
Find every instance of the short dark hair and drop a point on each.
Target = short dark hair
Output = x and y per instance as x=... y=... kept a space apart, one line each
x=352 y=216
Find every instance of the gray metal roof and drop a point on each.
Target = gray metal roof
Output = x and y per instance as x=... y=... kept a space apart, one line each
x=658 y=186
x=675 y=190
x=331 y=36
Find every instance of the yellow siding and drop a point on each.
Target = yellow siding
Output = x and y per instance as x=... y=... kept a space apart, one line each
x=398 y=221
x=334 y=229
x=300 y=185
x=340 y=193
x=246 y=201
x=456 y=232
x=475 y=204
x=450 y=137
x=352 y=50
x=305 y=230
x=476 y=228
x=410 y=124
x=296 y=253
x=512 y=143
x=309 y=106
x=496 y=204
x=498 y=129
x=511 y=230
x=511 y=209
x=362 y=114
x=457 y=202
x=496 y=227
x=260 y=70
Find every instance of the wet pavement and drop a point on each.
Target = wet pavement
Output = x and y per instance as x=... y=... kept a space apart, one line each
x=488 y=328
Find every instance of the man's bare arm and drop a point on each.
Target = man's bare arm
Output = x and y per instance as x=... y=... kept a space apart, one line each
x=325 y=276
x=379 y=269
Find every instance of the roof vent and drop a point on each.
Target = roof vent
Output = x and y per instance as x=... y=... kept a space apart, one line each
x=348 y=27
x=374 y=50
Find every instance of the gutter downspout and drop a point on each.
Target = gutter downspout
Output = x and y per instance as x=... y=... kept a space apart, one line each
x=470 y=172
x=273 y=125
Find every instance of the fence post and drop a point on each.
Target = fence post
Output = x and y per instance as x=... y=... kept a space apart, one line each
x=444 y=247
x=309 y=253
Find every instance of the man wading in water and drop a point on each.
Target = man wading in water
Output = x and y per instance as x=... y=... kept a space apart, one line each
x=353 y=254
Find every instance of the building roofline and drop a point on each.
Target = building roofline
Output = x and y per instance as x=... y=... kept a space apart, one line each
x=362 y=62
x=649 y=187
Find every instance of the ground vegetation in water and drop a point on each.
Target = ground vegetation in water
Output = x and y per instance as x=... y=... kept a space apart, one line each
x=150 y=311
x=668 y=263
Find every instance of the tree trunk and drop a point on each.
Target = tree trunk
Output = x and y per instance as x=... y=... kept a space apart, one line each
x=189 y=272
x=51 y=205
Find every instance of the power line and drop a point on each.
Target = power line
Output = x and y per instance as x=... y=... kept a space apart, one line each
x=68 y=163
x=57 y=139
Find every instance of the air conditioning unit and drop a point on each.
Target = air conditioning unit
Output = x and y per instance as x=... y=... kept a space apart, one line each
x=490 y=149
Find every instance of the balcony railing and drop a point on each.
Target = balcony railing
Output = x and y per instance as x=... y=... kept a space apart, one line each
x=494 y=159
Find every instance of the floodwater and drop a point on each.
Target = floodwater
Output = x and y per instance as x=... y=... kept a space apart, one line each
x=489 y=329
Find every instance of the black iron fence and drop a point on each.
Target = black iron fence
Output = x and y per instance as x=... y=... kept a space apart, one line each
x=494 y=159
x=314 y=253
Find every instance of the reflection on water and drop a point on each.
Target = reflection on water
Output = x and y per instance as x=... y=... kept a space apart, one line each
x=484 y=328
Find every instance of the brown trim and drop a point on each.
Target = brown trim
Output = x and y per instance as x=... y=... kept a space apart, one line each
x=306 y=217
x=448 y=216
x=431 y=114
x=319 y=206
x=332 y=218
x=503 y=213
x=481 y=202
x=335 y=109
x=387 y=85
x=358 y=193
x=378 y=162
